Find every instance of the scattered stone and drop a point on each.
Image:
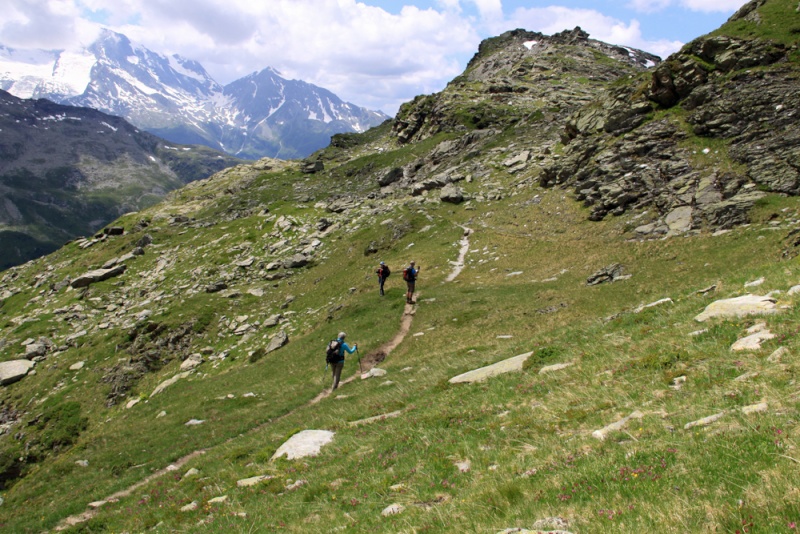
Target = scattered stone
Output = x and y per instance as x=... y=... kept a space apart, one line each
x=82 y=463
x=373 y=373
x=739 y=307
x=745 y=377
x=194 y=422
x=161 y=414
x=755 y=283
x=619 y=425
x=216 y=287
x=35 y=350
x=97 y=504
x=190 y=507
x=131 y=403
x=375 y=419
x=193 y=472
x=296 y=484
x=555 y=367
x=273 y=320
x=191 y=362
x=653 y=304
x=610 y=273
x=754 y=340
x=218 y=500
x=256 y=292
x=705 y=421
x=305 y=443
x=776 y=356
x=551 y=523
x=464 y=466
x=14 y=370
x=166 y=383
x=505 y=366
x=97 y=275
x=252 y=481
x=393 y=509
x=706 y=290
x=761 y=407
x=77 y=366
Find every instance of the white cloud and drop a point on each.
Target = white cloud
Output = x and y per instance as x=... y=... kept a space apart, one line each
x=708 y=6
x=649 y=6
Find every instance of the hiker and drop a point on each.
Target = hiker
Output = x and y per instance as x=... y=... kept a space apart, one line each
x=337 y=359
x=410 y=276
x=383 y=273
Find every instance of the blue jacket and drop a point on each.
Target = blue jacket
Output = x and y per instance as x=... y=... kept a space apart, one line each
x=344 y=347
x=412 y=274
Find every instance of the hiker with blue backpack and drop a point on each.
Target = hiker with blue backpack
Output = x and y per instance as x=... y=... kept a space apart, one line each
x=334 y=356
x=410 y=276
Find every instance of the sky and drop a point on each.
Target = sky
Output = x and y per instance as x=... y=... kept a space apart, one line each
x=373 y=53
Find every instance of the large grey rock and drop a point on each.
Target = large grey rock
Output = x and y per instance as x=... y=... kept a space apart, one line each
x=14 y=370
x=303 y=444
x=97 y=275
x=506 y=366
x=452 y=193
x=279 y=340
x=739 y=307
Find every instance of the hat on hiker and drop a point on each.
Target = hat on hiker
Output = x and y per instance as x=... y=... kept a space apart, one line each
x=411 y=263
x=383 y=263
x=342 y=335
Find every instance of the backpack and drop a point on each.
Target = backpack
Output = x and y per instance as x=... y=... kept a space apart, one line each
x=386 y=272
x=407 y=275
x=332 y=352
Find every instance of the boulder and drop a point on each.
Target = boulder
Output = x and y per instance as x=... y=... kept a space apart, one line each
x=97 y=275
x=303 y=444
x=452 y=193
x=312 y=166
x=279 y=340
x=502 y=367
x=739 y=307
x=606 y=274
x=14 y=370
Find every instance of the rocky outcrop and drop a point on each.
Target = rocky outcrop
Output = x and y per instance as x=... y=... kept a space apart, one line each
x=618 y=158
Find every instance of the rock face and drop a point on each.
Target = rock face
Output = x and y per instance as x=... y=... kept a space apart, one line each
x=619 y=158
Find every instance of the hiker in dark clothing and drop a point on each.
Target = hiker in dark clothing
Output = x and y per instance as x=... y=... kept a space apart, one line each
x=410 y=276
x=339 y=365
x=383 y=273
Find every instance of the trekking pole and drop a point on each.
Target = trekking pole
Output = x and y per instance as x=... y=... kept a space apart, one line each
x=358 y=354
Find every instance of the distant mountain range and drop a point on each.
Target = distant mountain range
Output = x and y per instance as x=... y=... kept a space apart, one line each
x=67 y=171
x=175 y=98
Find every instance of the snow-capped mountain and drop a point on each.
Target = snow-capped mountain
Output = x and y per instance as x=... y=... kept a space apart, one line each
x=259 y=115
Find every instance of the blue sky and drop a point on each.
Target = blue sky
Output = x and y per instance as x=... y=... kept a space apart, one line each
x=374 y=53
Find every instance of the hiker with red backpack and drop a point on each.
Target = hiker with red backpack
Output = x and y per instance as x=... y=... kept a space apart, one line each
x=410 y=276
x=334 y=356
x=383 y=273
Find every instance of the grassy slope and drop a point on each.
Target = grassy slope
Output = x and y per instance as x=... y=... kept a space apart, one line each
x=506 y=427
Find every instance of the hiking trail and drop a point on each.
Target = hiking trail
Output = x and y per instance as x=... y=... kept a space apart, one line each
x=369 y=361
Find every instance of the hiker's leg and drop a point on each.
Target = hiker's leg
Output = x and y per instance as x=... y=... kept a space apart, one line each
x=381 y=281
x=337 y=374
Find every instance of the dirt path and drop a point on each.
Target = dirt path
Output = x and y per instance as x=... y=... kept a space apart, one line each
x=369 y=361
x=458 y=266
